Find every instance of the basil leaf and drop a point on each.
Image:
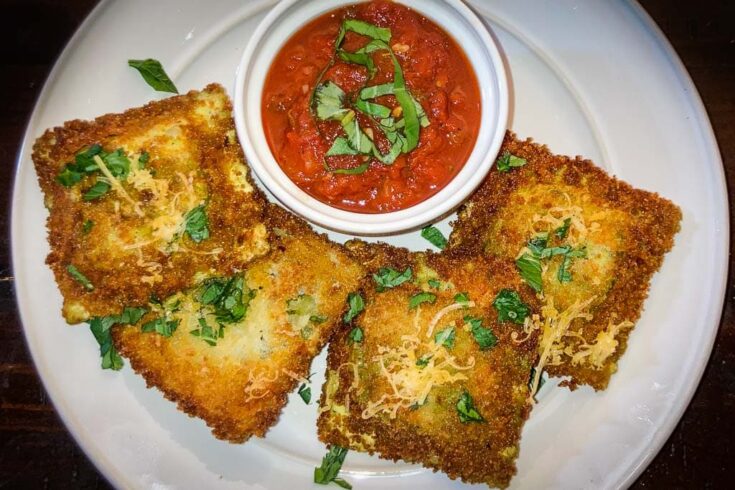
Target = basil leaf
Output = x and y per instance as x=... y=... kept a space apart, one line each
x=79 y=277
x=229 y=297
x=329 y=101
x=434 y=236
x=562 y=232
x=446 y=337
x=367 y=29
x=87 y=226
x=305 y=393
x=485 y=337
x=161 y=326
x=207 y=333
x=538 y=243
x=130 y=315
x=550 y=252
x=466 y=409
x=436 y=284
x=362 y=59
x=510 y=308
x=388 y=278
x=356 y=304
x=356 y=335
x=197 y=224
x=563 y=275
x=507 y=161
x=376 y=91
x=340 y=147
x=143 y=158
x=462 y=299
x=100 y=328
x=329 y=469
x=360 y=169
x=69 y=176
x=530 y=269
x=84 y=160
x=98 y=190
x=372 y=109
x=420 y=298
x=154 y=75
x=118 y=163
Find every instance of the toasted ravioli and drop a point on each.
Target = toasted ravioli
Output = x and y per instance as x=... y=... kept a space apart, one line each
x=238 y=381
x=443 y=383
x=147 y=202
x=596 y=240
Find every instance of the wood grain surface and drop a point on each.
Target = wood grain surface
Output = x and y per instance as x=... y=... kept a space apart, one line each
x=36 y=451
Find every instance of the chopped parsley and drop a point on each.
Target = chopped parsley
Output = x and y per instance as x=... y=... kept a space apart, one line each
x=420 y=298
x=510 y=307
x=153 y=73
x=388 y=278
x=79 y=277
x=466 y=409
x=484 y=337
x=507 y=161
x=434 y=236
x=197 y=224
x=356 y=305
x=356 y=335
x=161 y=326
x=305 y=393
x=101 y=329
x=329 y=470
x=445 y=337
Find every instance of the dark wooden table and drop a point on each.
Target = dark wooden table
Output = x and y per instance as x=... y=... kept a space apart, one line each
x=36 y=451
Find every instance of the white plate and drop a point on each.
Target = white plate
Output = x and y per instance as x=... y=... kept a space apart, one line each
x=594 y=78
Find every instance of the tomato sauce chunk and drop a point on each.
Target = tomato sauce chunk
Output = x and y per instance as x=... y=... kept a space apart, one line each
x=371 y=108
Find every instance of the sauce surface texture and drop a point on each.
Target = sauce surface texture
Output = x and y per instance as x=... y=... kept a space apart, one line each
x=309 y=72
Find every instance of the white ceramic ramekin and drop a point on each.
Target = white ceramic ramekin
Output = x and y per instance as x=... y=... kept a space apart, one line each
x=456 y=19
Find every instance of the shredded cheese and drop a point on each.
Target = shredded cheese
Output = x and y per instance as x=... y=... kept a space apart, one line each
x=116 y=185
x=256 y=385
x=444 y=311
x=555 y=217
x=602 y=348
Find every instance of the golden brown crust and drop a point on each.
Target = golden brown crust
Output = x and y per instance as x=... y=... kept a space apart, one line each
x=212 y=383
x=433 y=435
x=638 y=228
x=189 y=136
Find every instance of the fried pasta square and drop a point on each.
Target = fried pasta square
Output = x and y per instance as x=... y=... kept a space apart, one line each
x=434 y=370
x=147 y=202
x=231 y=349
x=587 y=243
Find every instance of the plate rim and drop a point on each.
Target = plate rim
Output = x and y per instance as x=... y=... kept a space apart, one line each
x=676 y=410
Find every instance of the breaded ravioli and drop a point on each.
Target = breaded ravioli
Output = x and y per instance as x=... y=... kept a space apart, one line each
x=435 y=370
x=587 y=243
x=231 y=349
x=147 y=202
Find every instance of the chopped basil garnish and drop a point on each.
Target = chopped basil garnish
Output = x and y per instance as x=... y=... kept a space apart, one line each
x=435 y=237
x=143 y=158
x=434 y=283
x=87 y=226
x=419 y=298
x=154 y=75
x=356 y=335
x=197 y=224
x=356 y=304
x=207 y=333
x=466 y=409
x=388 y=277
x=510 y=307
x=229 y=297
x=161 y=326
x=79 y=277
x=101 y=329
x=530 y=269
x=485 y=337
x=507 y=161
x=562 y=232
x=85 y=164
x=563 y=274
x=329 y=470
x=98 y=190
x=305 y=393
x=445 y=337
x=423 y=361
x=462 y=299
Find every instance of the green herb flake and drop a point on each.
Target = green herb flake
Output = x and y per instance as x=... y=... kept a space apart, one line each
x=197 y=224
x=507 y=161
x=356 y=335
x=101 y=329
x=434 y=236
x=530 y=269
x=420 y=298
x=423 y=361
x=541 y=382
x=305 y=393
x=143 y=158
x=388 y=278
x=87 y=226
x=329 y=470
x=434 y=283
x=153 y=73
x=562 y=232
x=446 y=337
x=484 y=337
x=207 y=333
x=462 y=299
x=510 y=307
x=466 y=409
x=356 y=306
x=229 y=297
x=98 y=190
x=161 y=326
x=79 y=277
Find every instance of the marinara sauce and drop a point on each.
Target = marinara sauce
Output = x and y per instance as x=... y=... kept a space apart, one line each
x=437 y=75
